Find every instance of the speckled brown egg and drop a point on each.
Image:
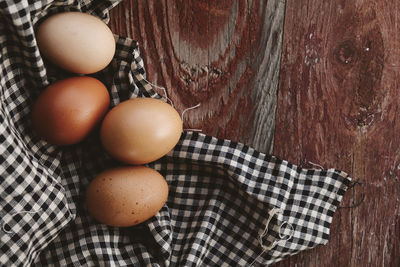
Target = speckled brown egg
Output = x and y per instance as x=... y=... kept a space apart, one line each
x=126 y=196
x=140 y=130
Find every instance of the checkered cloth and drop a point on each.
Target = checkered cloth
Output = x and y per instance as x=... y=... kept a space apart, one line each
x=228 y=204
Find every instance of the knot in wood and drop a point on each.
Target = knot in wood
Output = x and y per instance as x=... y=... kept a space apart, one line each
x=346 y=52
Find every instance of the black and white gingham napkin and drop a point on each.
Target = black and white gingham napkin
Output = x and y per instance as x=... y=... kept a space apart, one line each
x=228 y=204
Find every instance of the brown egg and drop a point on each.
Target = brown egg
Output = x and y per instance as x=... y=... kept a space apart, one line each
x=69 y=109
x=140 y=130
x=125 y=196
x=77 y=42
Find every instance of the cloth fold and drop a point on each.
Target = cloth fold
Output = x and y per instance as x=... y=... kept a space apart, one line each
x=221 y=193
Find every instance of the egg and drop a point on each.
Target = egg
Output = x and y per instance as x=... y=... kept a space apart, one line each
x=126 y=196
x=69 y=109
x=140 y=130
x=77 y=42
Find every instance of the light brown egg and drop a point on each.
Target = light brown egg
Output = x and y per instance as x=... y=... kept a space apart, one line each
x=69 y=109
x=77 y=42
x=126 y=196
x=140 y=130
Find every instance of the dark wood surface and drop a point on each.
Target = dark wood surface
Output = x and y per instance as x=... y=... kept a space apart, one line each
x=337 y=67
x=338 y=103
x=223 y=55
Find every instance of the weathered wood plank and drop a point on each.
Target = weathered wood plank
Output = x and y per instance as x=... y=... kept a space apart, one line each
x=338 y=104
x=224 y=55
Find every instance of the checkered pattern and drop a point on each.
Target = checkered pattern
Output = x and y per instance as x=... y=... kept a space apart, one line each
x=221 y=193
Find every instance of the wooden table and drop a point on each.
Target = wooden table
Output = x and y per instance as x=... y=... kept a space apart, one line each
x=308 y=81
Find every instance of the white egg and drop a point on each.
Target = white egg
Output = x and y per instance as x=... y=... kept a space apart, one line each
x=77 y=42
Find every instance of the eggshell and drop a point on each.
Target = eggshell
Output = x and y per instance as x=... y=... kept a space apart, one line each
x=126 y=196
x=77 y=42
x=69 y=109
x=140 y=130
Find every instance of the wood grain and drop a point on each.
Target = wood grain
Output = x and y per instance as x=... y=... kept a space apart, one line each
x=338 y=104
x=223 y=55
